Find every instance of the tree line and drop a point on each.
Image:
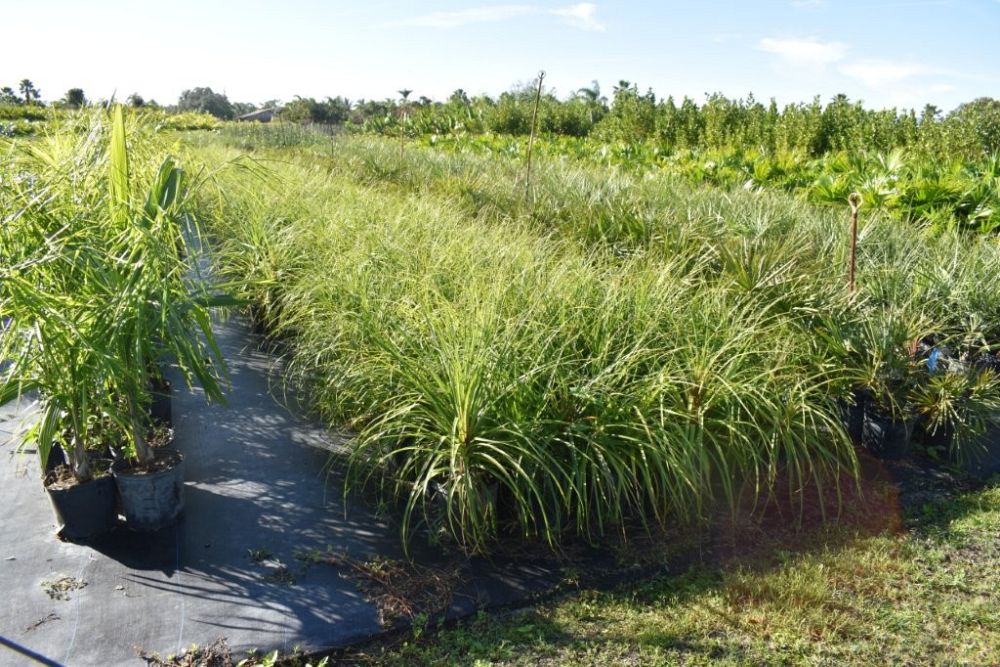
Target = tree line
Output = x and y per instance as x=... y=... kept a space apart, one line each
x=813 y=128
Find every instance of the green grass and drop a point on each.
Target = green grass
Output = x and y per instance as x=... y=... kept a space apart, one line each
x=925 y=596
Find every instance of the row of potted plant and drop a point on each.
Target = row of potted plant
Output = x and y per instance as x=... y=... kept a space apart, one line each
x=907 y=384
x=99 y=298
x=929 y=395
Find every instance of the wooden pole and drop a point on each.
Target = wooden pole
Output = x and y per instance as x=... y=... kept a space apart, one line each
x=855 y=201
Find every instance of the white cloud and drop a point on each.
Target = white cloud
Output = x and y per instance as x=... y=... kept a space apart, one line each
x=883 y=73
x=804 y=52
x=582 y=16
x=902 y=83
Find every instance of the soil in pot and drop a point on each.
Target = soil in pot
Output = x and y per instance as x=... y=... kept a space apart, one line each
x=57 y=458
x=885 y=437
x=151 y=496
x=82 y=510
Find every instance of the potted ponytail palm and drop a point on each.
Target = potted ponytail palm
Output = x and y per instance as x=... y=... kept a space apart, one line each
x=886 y=376
x=94 y=291
x=160 y=311
x=958 y=407
x=56 y=343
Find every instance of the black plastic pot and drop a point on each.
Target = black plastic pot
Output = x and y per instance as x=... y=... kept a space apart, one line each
x=852 y=415
x=160 y=410
x=886 y=437
x=938 y=440
x=981 y=457
x=150 y=501
x=257 y=321
x=987 y=361
x=84 y=510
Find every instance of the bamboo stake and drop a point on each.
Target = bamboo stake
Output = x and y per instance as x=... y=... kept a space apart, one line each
x=855 y=201
x=531 y=136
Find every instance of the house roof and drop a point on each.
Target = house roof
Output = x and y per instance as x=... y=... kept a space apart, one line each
x=257 y=113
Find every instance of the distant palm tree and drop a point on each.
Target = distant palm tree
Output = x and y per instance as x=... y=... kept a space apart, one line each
x=623 y=84
x=8 y=96
x=592 y=94
x=28 y=90
x=404 y=108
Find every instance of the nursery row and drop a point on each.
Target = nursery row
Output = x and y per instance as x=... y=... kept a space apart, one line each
x=97 y=294
x=908 y=186
x=596 y=347
x=940 y=192
x=30 y=120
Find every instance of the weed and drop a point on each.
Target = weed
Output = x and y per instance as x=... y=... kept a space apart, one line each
x=60 y=589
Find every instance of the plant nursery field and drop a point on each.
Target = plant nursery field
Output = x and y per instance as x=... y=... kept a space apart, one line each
x=610 y=346
x=597 y=347
x=581 y=350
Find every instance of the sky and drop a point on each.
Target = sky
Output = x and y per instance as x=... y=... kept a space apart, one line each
x=888 y=53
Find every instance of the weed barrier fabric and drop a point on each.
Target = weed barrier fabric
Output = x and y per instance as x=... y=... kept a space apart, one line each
x=251 y=483
x=234 y=565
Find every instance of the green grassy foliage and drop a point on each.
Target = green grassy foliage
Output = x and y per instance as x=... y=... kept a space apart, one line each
x=610 y=346
x=26 y=112
x=190 y=120
x=718 y=123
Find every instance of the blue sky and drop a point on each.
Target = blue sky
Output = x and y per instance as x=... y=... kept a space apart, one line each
x=886 y=52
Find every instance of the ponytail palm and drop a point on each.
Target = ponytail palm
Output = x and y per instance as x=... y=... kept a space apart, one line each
x=161 y=310
x=56 y=346
x=98 y=286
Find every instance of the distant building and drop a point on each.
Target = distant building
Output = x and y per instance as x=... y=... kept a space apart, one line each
x=261 y=115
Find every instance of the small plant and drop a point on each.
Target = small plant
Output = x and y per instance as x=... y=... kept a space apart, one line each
x=282 y=575
x=956 y=406
x=418 y=625
x=60 y=589
x=315 y=555
x=259 y=555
